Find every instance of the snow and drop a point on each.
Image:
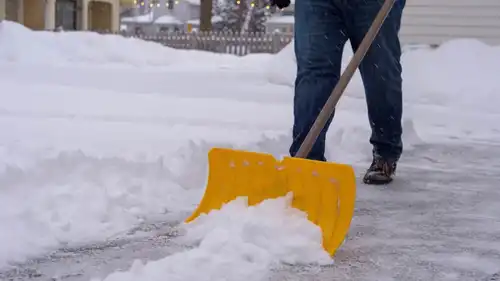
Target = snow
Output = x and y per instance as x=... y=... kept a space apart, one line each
x=167 y=19
x=193 y=2
x=281 y=19
x=215 y=19
x=146 y=18
x=460 y=73
x=238 y=243
x=87 y=48
x=103 y=133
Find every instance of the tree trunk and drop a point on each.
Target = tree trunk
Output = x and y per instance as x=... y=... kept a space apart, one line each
x=206 y=15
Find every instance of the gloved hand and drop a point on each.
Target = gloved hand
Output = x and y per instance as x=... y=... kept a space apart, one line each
x=280 y=3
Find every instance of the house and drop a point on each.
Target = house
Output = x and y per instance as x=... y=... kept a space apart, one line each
x=65 y=14
x=436 y=21
x=194 y=24
x=185 y=10
x=182 y=10
x=432 y=22
x=281 y=20
x=165 y=16
x=137 y=23
x=152 y=23
x=127 y=8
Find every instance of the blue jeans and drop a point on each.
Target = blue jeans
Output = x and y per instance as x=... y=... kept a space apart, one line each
x=322 y=27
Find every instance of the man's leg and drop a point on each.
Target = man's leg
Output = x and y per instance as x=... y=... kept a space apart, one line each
x=381 y=73
x=320 y=37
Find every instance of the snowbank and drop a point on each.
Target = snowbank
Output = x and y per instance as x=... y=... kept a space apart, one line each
x=238 y=243
x=25 y=45
x=460 y=72
x=22 y=45
x=74 y=198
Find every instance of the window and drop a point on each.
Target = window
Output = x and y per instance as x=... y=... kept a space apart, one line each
x=12 y=10
x=66 y=14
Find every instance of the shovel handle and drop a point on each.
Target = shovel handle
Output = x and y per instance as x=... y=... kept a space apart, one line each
x=344 y=79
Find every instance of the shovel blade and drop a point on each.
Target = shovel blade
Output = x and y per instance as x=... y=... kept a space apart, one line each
x=325 y=191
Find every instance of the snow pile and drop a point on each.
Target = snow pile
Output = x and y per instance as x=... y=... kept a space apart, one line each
x=462 y=72
x=237 y=243
x=74 y=198
x=25 y=45
x=283 y=67
x=22 y=45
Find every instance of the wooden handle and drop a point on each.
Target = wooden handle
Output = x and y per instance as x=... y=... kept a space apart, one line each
x=330 y=104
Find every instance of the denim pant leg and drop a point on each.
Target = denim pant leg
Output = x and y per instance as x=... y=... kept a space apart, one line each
x=319 y=41
x=381 y=73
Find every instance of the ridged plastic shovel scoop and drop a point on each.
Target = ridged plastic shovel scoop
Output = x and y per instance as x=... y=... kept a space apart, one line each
x=325 y=191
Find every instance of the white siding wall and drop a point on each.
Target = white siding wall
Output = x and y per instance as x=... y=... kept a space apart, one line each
x=185 y=11
x=436 y=21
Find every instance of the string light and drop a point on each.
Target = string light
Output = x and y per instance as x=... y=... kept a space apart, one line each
x=176 y=2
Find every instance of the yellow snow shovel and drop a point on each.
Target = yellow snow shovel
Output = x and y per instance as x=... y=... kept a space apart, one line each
x=325 y=191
